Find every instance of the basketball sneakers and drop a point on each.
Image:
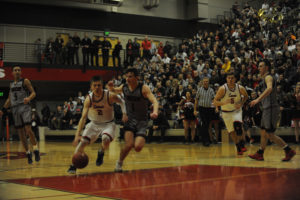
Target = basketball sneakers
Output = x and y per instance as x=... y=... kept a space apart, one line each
x=99 y=160
x=72 y=170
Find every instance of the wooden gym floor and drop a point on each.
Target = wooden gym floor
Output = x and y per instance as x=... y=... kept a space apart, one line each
x=160 y=171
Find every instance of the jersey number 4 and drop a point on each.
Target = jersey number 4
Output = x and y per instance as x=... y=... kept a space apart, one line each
x=100 y=112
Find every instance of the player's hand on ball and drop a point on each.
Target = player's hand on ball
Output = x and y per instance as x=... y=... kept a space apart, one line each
x=26 y=100
x=153 y=115
x=124 y=118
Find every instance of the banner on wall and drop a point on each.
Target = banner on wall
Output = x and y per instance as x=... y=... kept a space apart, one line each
x=1 y=53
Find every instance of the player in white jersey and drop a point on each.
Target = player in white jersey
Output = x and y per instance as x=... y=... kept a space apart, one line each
x=231 y=98
x=98 y=108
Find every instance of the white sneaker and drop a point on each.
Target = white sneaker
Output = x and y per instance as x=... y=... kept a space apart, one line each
x=118 y=167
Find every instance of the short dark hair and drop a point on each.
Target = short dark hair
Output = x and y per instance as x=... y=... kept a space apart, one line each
x=133 y=70
x=95 y=79
x=267 y=63
x=230 y=74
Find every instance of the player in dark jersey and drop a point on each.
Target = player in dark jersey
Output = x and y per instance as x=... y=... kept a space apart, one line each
x=20 y=95
x=270 y=114
x=136 y=97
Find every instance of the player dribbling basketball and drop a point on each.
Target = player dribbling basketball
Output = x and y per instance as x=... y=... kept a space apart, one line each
x=98 y=108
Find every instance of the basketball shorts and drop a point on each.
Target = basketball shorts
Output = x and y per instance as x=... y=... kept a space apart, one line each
x=22 y=115
x=94 y=130
x=270 y=118
x=138 y=128
x=231 y=117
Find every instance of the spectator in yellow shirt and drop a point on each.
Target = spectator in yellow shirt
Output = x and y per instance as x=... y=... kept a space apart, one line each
x=227 y=65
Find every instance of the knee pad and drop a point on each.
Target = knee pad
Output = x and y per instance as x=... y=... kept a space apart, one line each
x=105 y=138
x=238 y=128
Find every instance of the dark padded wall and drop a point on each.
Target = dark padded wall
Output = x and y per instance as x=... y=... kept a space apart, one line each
x=38 y=15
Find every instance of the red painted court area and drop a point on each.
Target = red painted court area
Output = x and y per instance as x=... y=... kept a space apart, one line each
x=184 y=182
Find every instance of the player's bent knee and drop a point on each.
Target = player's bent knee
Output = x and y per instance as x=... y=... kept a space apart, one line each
x=105 y=139
x=238 y=128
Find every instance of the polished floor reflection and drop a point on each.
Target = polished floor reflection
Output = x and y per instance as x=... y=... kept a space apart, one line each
x=160 y=171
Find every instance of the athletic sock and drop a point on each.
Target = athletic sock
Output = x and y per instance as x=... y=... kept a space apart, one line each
x=286 y=148
x=238 y=147
x=260 y=151
x=242 y=143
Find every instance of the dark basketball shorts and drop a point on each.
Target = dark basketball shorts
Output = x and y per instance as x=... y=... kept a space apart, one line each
x=270 y=118
x=21 y=115
x=138 y=128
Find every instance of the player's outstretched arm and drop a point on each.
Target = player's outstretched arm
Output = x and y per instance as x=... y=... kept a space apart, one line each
x=27 y=83
x=82 y=120
x=114 y=98
x=111 y=88
x=220 y=94
x=149 y=95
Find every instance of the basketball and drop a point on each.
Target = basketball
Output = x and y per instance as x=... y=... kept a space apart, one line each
x=80 y=160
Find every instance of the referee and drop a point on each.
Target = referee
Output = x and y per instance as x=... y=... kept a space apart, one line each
x=203 y=101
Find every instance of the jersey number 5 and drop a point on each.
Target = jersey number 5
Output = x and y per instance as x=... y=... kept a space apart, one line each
x=232 y=100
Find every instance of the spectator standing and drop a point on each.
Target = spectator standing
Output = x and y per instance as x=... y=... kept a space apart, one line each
x=76 y=40
x=116 y=54
x=86 y=44
x=95 y=51
x=146 y=45
x=136 y=49
x=106 y=46
x=58 y=44
x=129 y=53
x=70 y=49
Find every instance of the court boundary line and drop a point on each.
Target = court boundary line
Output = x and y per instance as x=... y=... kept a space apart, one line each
x=129 y=171
x=93 y=194
x=60 y=190
x=194 y=181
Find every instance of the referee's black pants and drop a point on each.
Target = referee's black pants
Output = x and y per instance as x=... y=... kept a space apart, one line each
x=206 y=117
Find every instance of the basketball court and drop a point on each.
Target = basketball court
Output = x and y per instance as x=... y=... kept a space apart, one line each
x=160 y=171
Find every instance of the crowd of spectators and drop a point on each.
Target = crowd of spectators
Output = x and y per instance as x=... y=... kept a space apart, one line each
x=66 y=116
x=171 y=72
x=236 y=46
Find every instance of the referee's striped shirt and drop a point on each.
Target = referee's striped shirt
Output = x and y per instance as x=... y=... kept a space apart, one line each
x=205 y=96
